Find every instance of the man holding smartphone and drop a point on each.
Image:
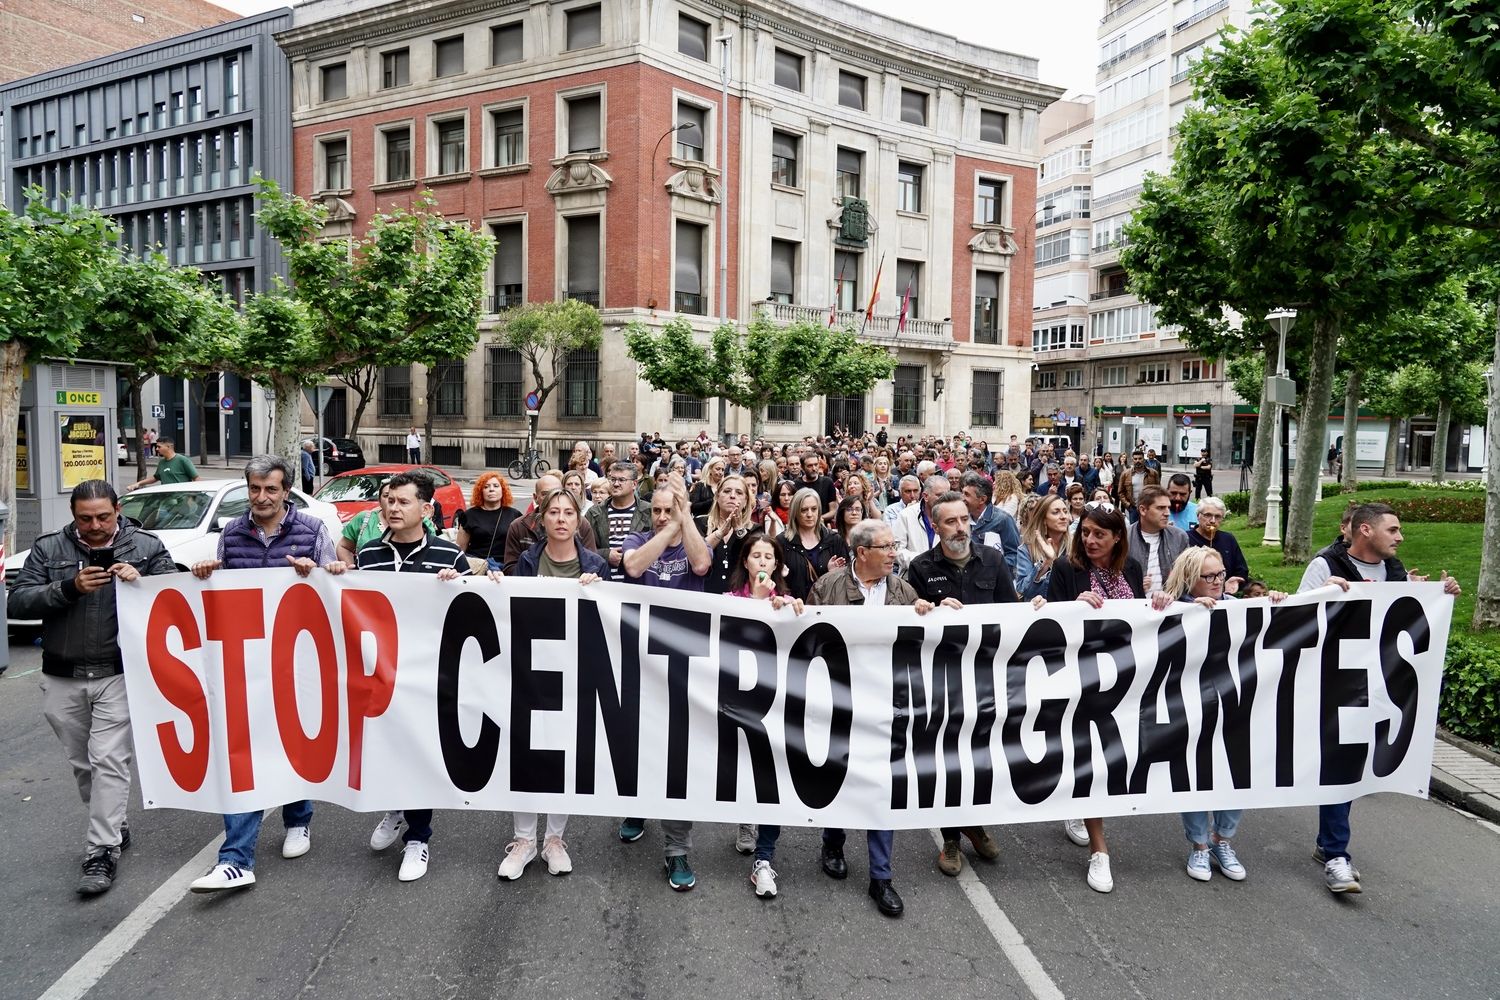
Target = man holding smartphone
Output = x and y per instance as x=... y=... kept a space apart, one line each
x=69 y=583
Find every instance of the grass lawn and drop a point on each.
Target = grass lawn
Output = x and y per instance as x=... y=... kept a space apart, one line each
x=1428 y=548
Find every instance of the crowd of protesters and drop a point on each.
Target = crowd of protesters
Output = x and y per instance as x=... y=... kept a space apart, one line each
x=839 y=520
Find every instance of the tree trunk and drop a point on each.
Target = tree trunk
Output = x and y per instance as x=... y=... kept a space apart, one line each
x=1487 y=593
x=199 y=388
x=359 y=412
x=138 y=409
x=434 y=376
x=12 y=359
x=1440 y=440
x=287 y=417
x=758 y=423
x=1312 y=416
x=1392 y=433
x=1350 y=478
x=1265 y=428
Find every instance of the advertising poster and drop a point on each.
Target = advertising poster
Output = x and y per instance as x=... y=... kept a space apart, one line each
x=23 y=454
x=80 y=447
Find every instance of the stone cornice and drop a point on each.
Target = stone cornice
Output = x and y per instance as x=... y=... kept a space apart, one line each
x=361 y=26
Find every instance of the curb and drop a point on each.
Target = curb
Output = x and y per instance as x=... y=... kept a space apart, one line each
x=1459 y=792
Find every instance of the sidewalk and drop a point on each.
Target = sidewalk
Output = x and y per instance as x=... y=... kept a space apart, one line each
x=1467 y=775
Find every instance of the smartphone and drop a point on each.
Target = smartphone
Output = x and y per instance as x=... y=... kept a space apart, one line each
x=103 y=558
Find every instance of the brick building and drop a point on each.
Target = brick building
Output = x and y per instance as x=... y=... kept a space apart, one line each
x=852 y=139
x=38 y=35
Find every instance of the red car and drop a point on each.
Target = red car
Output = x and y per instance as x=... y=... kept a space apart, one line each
x=352 y=492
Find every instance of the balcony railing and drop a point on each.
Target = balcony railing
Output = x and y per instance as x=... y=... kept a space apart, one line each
x=1108 y=293
x=690 y=302
x=505 y=297
x=882 y=326
x=591 y=298
x=1138 y=47
x=1126 y=6
x=1202 y=15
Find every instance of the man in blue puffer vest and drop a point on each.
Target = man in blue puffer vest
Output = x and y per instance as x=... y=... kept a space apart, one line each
x=271 y=533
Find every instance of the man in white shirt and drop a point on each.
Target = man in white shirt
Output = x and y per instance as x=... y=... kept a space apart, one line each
x=413 y=446
x=1154 y=541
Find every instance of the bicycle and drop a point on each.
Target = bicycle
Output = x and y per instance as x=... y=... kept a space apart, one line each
x=529 y=466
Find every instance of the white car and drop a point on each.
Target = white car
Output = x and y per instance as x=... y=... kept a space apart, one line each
x=188 y=517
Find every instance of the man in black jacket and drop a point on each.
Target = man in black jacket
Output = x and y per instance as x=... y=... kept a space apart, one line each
x=69 y=583
x=952 y=573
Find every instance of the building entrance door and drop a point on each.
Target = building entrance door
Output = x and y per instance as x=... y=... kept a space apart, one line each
x=847 y=412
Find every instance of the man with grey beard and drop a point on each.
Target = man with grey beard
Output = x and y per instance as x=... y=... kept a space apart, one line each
x=951 y=574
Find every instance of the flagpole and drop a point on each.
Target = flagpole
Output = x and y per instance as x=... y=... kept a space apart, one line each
x=874 y=296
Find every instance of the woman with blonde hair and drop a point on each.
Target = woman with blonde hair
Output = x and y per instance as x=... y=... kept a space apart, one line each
x=1007 y=494
x=1198 y=577
x=723 y=528
x=1044 y=534
x=811 y=549
x=701 y=496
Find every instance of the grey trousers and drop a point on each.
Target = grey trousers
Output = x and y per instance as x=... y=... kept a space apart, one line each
x=677 y=837
x=92 y=720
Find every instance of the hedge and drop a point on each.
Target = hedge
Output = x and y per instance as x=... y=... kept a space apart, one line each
x=1470 y=702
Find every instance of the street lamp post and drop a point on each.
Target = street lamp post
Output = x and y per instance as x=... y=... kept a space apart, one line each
x=1280 y=391
x=726 y=41
x=1490 y=430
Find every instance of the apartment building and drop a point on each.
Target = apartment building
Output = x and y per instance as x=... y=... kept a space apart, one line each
x=585 y=135
x=165 y=139
x=1105 y=370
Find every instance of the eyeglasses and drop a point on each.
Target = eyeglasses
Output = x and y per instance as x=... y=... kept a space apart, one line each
x=1218 y=577
x=1098 y=505
x=1204 y=515
x=887 y=547
x=619 y=480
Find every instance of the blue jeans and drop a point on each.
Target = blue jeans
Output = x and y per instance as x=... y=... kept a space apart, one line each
x=1333 y=829
x=765 y=841
x=1226 y=822
x=878 y=842
x=241 y=830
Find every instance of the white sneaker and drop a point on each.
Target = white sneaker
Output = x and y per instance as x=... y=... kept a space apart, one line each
x=555 y=853
x=763 y=877
x=224 y=877
x=744 y=841
x=1099 y=877
x=413 y=861
x=1076 y=831
x=297 y=843
x=1198 y=866
x=388 y=832
x=518 y=854
x=1339 y=875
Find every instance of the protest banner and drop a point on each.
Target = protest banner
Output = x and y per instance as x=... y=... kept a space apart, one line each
x=380 y=692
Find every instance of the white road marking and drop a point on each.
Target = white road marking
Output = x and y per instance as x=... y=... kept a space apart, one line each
x=92 y=967
x=1011 y=943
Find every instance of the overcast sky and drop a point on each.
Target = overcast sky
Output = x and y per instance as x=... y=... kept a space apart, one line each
x=1059 y=32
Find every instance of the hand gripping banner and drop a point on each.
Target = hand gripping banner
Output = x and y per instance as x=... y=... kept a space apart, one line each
x=381 y=692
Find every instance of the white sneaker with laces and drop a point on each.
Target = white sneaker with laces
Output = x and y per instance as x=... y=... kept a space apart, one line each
x=413 y=861
x=391 y=827
x=518 y=854
x=763 y=877
x=1076 y=831
x=224 y=877
x=1227 y=860
x=297 y=843
x=744 y=840
x=1100 y=879
x=1339 y=875
x=555 y=853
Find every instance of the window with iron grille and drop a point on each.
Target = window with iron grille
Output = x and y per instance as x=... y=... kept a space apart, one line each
x=580 y=396
x=984 y=405
x=906 y=401
x=450 y=392
x=395 y=391
x=510 y=266
x=502 y=382
x=688 y=271
x=790 y=413
x=686 y=407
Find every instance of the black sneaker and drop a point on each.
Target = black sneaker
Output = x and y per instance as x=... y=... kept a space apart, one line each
x=124 y=836
x=98 y=873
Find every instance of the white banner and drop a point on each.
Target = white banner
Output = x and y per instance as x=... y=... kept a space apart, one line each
x=379 y=692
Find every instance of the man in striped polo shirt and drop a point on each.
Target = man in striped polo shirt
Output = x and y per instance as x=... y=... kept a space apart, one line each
x=408 y=547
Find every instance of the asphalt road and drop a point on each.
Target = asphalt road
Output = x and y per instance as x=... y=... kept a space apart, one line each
x=337 y=923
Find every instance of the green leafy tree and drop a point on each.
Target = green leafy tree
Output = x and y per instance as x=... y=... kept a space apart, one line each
x=763 y=365
x=156 y=319
x=547 y=335
x=406 y=292
x=51 y=263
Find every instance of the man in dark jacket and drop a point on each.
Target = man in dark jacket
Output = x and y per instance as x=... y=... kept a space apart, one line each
x=68 y=582
x=619 y=517
x=272 y=533
x=951 y=574
x=870 y=578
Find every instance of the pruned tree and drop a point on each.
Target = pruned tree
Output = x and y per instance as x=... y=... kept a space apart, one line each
x=365 y=381
x=765 y=364
x=547 y=335
x=51 y=263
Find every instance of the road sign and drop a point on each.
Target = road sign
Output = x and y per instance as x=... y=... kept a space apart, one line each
x=158 y=411
x=1133 y=421
x=1187 y=421
x=1062 y=416
x=533 y=400
x=226 y=403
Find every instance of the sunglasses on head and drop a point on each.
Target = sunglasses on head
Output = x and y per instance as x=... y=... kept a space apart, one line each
x=1099 y=505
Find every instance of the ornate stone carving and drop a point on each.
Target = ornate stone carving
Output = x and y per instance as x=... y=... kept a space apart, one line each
x=695 y=183
x=853 y=223
x=993 y=240
x=579 y=174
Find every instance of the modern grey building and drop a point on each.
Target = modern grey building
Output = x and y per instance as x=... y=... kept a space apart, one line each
x=166 y=139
